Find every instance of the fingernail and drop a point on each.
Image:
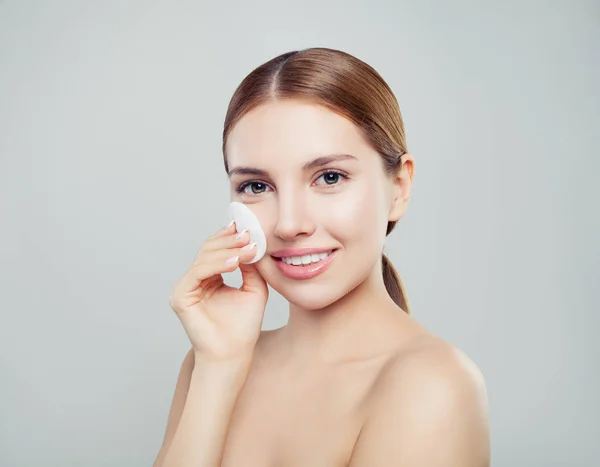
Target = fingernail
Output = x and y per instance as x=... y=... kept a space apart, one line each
x=232 y=260
x=249 y=247
x=229 y=225
x=238 y=236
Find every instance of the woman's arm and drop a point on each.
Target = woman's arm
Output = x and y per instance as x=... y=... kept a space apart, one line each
x=200 y=433
x=431 y=411
x=181 y=389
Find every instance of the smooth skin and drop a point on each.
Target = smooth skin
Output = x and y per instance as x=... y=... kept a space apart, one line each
x=223 y=324
x=351 y=380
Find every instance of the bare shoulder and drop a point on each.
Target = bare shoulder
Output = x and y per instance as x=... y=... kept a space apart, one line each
x=432 y=363
x=429 y=393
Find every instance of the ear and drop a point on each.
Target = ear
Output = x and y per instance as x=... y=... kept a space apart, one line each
x=401 y=187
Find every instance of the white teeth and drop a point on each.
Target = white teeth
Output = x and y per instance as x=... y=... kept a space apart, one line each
x=306 y=259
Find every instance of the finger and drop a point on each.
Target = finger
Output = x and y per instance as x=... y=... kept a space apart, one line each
x=212 y=264
x=252 y=281
x=216 y=262
x=232 y=240
x=225 y=230
x=224 y=238
x=228 y=229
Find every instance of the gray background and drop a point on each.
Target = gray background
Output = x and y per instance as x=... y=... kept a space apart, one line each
x=111 y=176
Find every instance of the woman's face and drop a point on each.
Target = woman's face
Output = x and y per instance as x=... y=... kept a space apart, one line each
x=343 y=205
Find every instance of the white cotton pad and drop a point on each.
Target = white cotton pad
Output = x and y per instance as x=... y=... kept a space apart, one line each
x=245 y=219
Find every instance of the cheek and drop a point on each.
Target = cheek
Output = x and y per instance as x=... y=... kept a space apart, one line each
x=355 y=216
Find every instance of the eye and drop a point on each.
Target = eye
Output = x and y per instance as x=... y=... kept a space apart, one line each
x=243 y=186
x=331 y=178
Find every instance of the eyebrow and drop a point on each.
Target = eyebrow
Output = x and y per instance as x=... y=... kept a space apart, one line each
x=318 y=162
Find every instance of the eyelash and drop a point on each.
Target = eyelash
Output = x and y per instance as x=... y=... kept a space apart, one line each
x=242 y=187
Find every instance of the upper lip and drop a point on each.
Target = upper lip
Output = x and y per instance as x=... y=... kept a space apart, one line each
x=289 y=252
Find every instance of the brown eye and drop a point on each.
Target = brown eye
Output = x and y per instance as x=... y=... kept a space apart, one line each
x=261 y=187
x=331 y=177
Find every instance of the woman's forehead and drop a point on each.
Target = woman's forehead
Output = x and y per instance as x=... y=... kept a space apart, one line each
x=294 y=131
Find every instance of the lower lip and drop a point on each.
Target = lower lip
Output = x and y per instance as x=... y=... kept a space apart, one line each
x=306 y=271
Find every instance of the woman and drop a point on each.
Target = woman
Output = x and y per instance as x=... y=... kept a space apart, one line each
x=314 y=145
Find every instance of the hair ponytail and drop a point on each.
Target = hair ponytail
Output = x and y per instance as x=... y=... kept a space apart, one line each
x=393 y=284
x=391 y=278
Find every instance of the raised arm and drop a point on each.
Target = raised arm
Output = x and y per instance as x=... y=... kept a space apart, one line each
x=179 y=398
x=223 y=324
x=199 y=435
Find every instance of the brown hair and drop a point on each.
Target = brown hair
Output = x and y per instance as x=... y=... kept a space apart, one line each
x=345 y=85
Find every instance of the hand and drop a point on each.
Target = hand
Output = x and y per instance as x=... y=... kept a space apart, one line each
x=222 y=322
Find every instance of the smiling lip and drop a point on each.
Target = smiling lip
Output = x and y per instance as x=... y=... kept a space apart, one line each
x=289 y=252
x=306 y=271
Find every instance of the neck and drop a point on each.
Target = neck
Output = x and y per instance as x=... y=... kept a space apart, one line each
x=353 y=327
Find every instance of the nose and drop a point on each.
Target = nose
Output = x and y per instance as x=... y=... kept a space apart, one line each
x=294 y=217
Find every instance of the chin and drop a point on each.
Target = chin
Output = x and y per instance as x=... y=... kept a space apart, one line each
x=308 y=303
x=305 y=303
x=311 y=296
